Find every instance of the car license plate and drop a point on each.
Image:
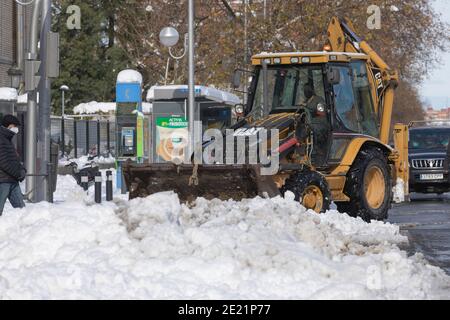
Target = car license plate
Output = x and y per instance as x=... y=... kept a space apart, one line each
x=438 y=176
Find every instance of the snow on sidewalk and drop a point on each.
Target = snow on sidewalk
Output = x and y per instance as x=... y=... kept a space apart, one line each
x=84 y=160
x=157 y=248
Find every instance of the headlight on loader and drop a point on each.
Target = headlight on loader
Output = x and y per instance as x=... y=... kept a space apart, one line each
x=239 y=110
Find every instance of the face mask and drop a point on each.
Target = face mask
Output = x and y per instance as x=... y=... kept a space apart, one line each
x=15 y=130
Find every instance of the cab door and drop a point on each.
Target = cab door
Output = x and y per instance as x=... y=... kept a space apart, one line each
x=353 y=112
x=346 y=113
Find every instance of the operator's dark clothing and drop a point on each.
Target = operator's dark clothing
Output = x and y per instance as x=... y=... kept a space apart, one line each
x=11 y=171
x=321 y=128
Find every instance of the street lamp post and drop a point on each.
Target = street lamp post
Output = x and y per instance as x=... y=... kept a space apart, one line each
x=191 y=97
x=63 y=89
x=169 y=38
x=32 y=110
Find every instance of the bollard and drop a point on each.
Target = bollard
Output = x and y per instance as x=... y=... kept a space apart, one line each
x=98 y=187
x=85 y=181
x=109 y=186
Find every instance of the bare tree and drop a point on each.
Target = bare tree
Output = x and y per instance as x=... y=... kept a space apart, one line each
x=411 y=37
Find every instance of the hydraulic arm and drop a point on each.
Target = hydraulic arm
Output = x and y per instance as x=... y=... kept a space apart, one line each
x=342 y=38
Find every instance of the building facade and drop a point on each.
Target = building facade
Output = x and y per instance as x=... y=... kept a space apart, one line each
x=434 y=114
x=9 y=57
x=7 y=40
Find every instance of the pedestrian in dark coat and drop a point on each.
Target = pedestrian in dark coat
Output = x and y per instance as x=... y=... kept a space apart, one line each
x=11 y=169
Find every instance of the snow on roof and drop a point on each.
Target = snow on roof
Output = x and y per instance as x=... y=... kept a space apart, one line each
x=200 y=91
x=129 y=76
x=94 y=107
x=8 y=94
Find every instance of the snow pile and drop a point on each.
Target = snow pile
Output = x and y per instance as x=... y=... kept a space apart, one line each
x=129 y=76
x=84 y=160
x=68 y=190
x=157 y=248
x=105 y=160
x=399 y=191
x=8 y=94
x=95 y=107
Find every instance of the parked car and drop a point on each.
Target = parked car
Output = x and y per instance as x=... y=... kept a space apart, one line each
x=429 y=153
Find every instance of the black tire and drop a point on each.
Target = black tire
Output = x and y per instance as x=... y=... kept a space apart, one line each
x=359 y=206
x=300 y=182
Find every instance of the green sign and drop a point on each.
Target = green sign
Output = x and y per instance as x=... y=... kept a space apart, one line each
x=172 y=123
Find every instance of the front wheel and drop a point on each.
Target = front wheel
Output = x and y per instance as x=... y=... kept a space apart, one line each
x=310 y=189
x=368 y=186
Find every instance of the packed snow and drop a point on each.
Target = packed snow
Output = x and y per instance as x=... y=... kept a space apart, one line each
x=157 y=248
x=95 y=107
x=8 y=94
x=84 y=160
x=399 y=191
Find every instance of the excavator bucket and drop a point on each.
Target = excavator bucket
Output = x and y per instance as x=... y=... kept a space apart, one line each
x=190 y=181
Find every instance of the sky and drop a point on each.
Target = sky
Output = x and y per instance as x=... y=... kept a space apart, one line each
x=436 y=89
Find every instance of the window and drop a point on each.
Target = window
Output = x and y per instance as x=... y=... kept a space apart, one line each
x=346 y=109
x=429 y=139
x=363 y=99
x=286 y=86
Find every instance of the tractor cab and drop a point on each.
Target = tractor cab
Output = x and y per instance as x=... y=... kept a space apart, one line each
x=333 y=88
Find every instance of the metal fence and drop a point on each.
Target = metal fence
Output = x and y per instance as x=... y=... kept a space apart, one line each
x=81 y=136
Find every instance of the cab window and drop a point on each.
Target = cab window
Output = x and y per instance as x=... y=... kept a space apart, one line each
x=286 y=86
x=363 y=99
x=344 y=99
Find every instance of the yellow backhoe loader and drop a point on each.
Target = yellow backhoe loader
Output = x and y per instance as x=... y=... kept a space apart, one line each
x=332 y=110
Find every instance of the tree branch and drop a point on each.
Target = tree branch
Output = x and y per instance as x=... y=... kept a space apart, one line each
x=229 y=9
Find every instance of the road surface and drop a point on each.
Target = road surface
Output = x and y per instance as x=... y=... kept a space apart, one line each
x=426 y=222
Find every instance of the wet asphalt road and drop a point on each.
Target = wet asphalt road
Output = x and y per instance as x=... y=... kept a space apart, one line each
x=426 y=222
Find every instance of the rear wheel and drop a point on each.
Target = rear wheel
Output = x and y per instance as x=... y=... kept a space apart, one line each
x=368 y=186
x=310 y=189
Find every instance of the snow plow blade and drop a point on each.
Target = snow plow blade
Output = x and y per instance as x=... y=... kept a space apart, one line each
x=224 y=182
